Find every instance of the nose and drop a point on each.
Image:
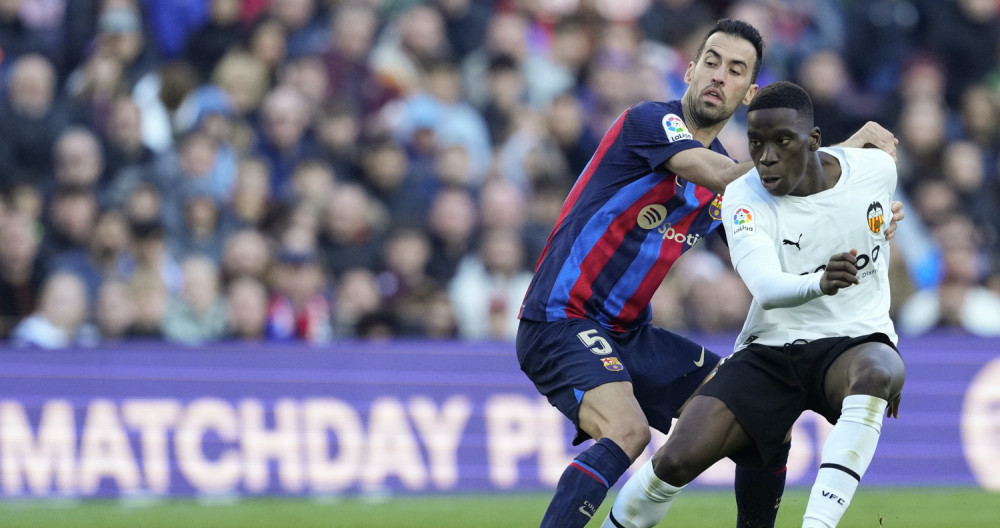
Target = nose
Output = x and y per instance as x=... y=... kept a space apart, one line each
x=768 y=156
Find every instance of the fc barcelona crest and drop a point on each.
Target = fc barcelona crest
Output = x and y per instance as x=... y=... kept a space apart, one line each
x=715 y=208
x=876 y=219
x=612 y=364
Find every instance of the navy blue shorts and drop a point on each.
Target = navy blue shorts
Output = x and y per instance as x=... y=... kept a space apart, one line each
x=566 y=358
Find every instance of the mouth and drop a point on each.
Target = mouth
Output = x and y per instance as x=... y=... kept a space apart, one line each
x=712 y=95
x=770 y=182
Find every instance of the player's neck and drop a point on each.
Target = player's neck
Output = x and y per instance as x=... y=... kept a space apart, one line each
x=822 y=173
x=704 y=133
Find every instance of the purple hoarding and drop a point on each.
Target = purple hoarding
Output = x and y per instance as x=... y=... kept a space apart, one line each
x=419 y=417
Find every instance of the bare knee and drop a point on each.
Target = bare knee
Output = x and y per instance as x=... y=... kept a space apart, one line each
x=631 y=434
x=883 y=379
x=673 y=468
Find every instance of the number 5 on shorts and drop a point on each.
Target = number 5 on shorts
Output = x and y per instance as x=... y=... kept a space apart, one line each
x=594 y=342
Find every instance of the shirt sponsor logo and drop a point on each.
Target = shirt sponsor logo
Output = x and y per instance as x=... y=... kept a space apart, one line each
x=612 y=364
x=651 y=216
x=743 y=221
x=876 y=218
x=675 y=129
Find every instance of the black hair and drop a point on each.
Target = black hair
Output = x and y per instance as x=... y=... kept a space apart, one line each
x=741 y=29
x=784 y=94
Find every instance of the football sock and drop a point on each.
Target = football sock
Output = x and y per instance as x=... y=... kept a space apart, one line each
x=759 y=490
x=846 y=455
x=643 y=501
x=584 y=484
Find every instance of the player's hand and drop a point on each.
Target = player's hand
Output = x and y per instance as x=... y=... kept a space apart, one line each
x=874 y=135
x=892 y=410
x=840 y=272
x=897 y=215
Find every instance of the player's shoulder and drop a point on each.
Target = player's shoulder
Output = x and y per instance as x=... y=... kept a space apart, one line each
x=744 y=187
x=654 y=119
x=871 y=157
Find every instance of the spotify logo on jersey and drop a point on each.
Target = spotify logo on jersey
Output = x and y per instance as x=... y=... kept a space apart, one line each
x=651 y=216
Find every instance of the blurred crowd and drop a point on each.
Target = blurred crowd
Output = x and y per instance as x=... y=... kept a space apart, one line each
x=324 y=170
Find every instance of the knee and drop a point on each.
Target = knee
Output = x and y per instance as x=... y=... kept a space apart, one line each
x=883 y=379
x=632 y=435
x=672 y=468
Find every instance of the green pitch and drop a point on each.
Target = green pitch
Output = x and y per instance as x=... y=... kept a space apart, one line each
x=872 y=508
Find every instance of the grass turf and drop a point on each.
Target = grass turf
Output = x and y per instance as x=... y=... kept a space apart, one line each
x=872 y=508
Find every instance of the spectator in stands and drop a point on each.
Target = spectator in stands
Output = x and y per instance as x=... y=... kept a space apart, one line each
x=403 y=280
x=205 y=225
x=268 y=43
x=79 y=160
x=152 y=256
x=351 y=77
x=31 y=117
x=489 y=286
x=107 y=254
x=412 y=41
x=358 y=298
x=121 y=36
x=246 y=309
x=245 y=78
x=198 y=313
x=960 y=301
x=150 y=298
x=222 y=32
x=299 y=308
x=285 y=138
x=353 y=231
x=122 y=138
x=114 y=311
x=21 y=271
x=61 y=317
x=452 y=224
x=566 y=126
x=250 y=201
x=69 y=220
x=246 y=254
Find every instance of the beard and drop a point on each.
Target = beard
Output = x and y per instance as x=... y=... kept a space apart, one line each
x=702 y=115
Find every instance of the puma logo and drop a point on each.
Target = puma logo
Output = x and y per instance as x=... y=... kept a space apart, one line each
x=701 y=360
x=786 y=242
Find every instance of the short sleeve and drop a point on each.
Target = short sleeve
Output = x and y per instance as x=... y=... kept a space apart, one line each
x=656 y=132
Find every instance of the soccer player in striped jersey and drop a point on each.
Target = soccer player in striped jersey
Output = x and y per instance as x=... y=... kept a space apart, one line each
x=650 y=193
x=818 y=335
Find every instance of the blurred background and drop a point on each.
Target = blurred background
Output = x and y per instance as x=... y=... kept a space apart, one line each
x=311 y=171
x=191 y=186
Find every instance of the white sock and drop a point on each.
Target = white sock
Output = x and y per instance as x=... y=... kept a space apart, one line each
x=642 y=501
x=846 y=455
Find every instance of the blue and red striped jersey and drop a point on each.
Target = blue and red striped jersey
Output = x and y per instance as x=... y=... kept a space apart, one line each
x=624 y=224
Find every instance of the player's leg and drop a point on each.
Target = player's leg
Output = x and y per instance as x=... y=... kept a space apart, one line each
x=706 y=432
x=759 y=488
x=860 y=383
x=576 y=364
x=611 y=414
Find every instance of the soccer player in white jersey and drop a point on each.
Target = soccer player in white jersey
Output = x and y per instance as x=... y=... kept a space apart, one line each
x=806 y=230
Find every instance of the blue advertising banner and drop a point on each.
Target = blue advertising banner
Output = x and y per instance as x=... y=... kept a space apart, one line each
x=413 y=417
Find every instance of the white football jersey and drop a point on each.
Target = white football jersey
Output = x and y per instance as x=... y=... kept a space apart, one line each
x=804 y=232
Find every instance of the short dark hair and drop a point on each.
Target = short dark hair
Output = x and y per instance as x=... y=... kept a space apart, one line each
x=784 y=94
x=741 y=29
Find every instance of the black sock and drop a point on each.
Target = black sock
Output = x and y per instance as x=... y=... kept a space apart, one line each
x=758 y=492
x=584 y=484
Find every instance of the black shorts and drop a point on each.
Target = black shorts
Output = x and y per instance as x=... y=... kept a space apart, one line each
x=566 y=358
x=767 y=388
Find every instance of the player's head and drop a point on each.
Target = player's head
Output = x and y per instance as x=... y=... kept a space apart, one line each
x=723 y=73
x=783 y=137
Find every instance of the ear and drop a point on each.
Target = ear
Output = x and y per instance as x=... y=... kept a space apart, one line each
x=815 y=139
x=751 y=91
x=689 y=73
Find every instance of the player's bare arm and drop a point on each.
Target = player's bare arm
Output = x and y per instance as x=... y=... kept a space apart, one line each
x=840 y=272
x=706 y=168
x=873 y=135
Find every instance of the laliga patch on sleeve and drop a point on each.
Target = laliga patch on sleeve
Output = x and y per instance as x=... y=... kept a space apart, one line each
x=675 y=129
x=743 y=221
